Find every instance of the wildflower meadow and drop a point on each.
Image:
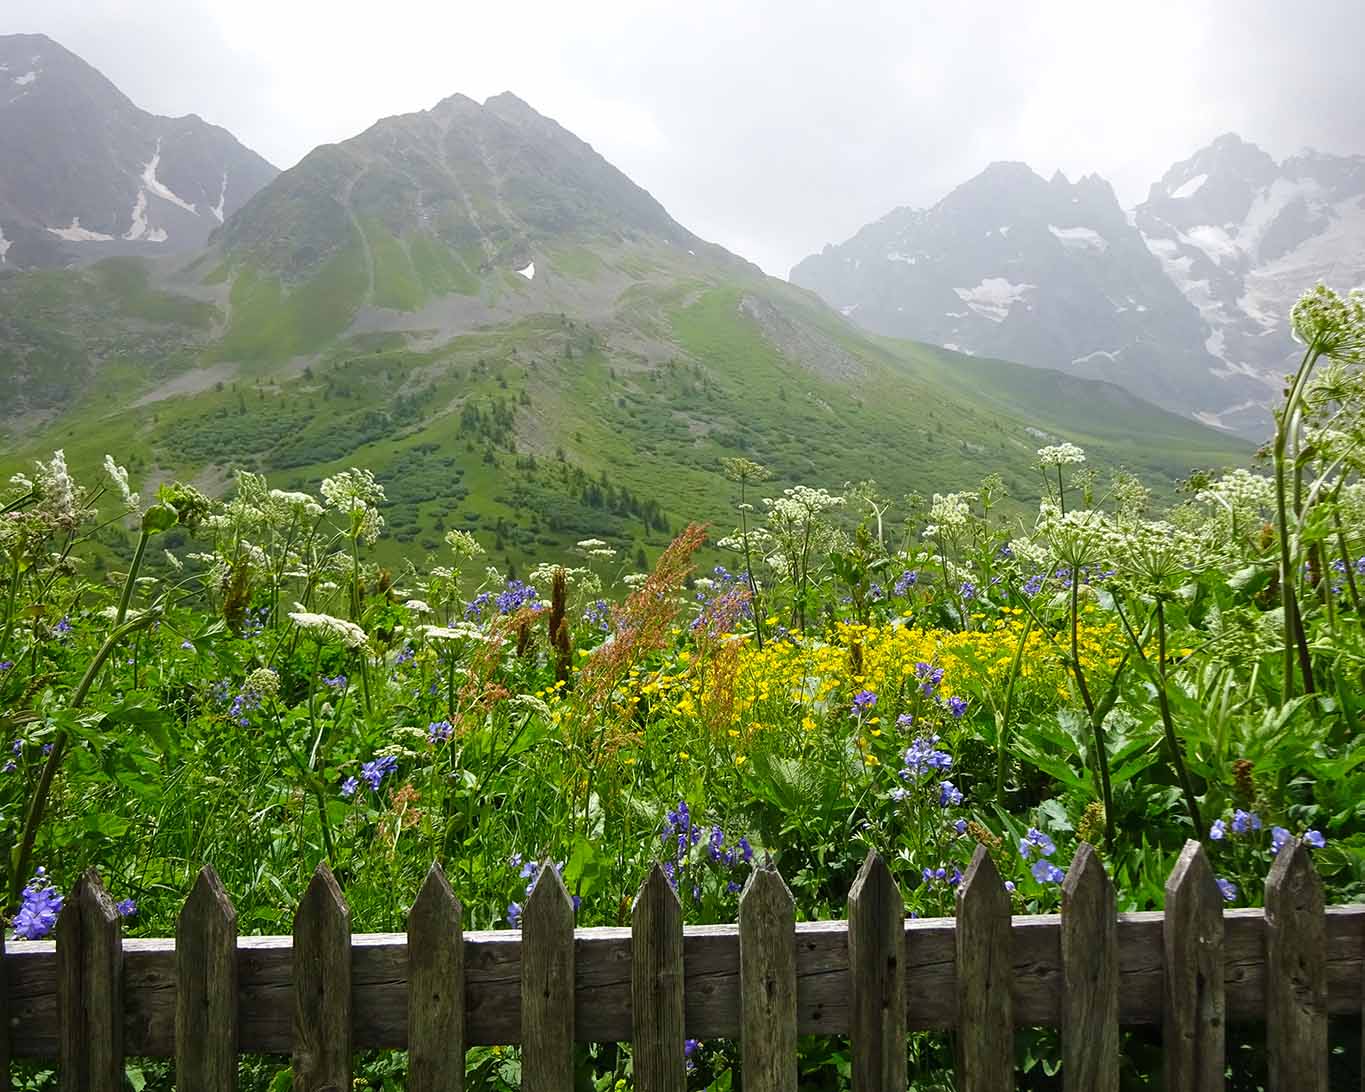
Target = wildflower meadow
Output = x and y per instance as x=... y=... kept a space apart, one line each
x=238 y=681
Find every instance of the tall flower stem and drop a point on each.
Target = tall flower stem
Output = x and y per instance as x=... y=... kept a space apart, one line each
x=1002 y=734
x=1095 y=716
x=1346 y=563
x=38 y=803
x=749 y=566
x=11 y=610
x=1168 y=722
x=1284 y=426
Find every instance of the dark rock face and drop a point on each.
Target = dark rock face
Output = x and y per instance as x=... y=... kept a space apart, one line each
x=86 y=174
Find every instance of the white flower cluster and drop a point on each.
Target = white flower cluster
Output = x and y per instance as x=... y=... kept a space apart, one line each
x=1062 y=454
x=325 y=626
x=119 y=475
x=1333 y=326
x=948 y=513
x=1240 y=493
x=463 y=544
x=801 y=503
x=356 y=493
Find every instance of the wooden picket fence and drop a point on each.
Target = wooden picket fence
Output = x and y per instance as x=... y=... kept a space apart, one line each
x=92 y=997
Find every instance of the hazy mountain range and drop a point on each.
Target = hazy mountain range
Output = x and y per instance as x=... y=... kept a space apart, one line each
x=1184 y=300
x=470 y=300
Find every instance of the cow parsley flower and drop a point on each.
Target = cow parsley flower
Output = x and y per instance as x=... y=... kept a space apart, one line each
x=1063 y=454
x=119 y=476
x=325 y=627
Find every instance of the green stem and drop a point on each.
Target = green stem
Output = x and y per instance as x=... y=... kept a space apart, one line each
x=1168 y=723
x=1346 y=561
x=127 y=596
x=1096 y=720
x=34 y=817
x=11 y=610
x=1283 y=427
x=1002 y=742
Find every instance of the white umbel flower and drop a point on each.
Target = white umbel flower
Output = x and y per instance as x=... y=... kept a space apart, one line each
x=326 y=626
x=119 y=476
x=1061 y=454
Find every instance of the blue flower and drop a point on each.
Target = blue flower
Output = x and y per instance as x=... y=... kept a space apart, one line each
x=1034 y=584
x=922 y=755
x=905 y=582
x=1009 y=886
x=126 y=909
x=1279 y=838
x=38 y=914
x=1228 y=889
x=949 y=795
x=1218 y=831
x=374 y=771
x=960 y=826
x=905 y=720
x=1036 y=839
x=336 y=682
x=863 y=700
x=1244 y=822
x=63 y=627
x=1314 y=838
x=1046 y=872
x=690 y=1048
x=746 y=851
x=967 y=591
x=187 y=645
x=5 y=665
x=514 y=915
x=438 y=731
x=716 y=840
x=957 y=706
x=349 y=786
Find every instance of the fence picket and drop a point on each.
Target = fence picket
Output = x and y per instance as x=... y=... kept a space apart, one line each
x=767 y=982
x=436 y=988
x=656 y=990
x=547 y=985
x=1195 y=1011
x=1296 y=973
x=206 y=988
x=876 y=965
x=985 y=1031
x=89 y=938
x=1090 y=975
x=322 y=987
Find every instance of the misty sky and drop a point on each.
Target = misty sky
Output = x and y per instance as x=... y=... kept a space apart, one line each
x=773 y=126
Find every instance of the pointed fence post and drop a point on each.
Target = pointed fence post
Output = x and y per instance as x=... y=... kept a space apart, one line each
x=876 y=964
x=984 y=973
x=90 y=990
x=656 y=987
x=767 y=982
x=1090 y=977
x=436 y=988
x=206 y=988
x=1194 y=1015
x=1295 y=973
x=322 y=987
x=547 y=985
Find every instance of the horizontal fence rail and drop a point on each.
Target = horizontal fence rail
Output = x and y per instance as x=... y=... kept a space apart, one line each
x=92 y=997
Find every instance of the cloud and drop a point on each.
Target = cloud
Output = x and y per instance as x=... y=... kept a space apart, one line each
x=774 y=126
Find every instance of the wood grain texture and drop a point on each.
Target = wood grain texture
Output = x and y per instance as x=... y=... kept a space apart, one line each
x=435 y=988
x=1194 y=1019
x=876 y=961
x=90 y=989
x=602 y=982
x=321 y=969
x=767 y=982
x=1296 y=995
x=1090 y=977
x=547 y=985
x=985 y=1011
x=656 y=976
x=206 y=988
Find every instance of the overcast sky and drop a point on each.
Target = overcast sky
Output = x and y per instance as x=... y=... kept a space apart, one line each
x=770 y=126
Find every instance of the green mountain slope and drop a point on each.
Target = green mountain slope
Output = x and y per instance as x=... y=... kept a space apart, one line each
x=521 y=343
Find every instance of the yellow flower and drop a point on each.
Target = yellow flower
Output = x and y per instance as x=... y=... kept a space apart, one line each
x=740 y=760
x=684 y=755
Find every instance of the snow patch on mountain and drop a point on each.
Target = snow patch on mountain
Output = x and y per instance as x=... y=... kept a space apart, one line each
x=1105 y=353
x=138 y=228
x=1190 y=188
x=157 y=187
x=77 y=234
x=529 y=272
x=993 y=297
x=1079 y=238
x=24 y=80
x=217 y=209
x=5 y=244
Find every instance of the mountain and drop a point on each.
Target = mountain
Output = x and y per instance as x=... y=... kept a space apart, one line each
x=1184 y=300
x=86 y=174
x=521 y=342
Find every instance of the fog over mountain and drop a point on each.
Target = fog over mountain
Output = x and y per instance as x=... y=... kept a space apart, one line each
x=771 y=128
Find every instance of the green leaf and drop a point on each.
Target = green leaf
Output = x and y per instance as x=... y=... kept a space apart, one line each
x=584 y=870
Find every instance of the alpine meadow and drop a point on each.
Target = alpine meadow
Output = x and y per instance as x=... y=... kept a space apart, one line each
x=442 y=499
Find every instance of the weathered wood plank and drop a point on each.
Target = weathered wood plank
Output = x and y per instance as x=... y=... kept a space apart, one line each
x=711 y=973
x=435 y=988
x=1296 y=971
x=1195 y=1013
x=90 y=989
x=1090 y=975
x=322 y=1043
x=767 y=982
x=206 y=988
x=985 y=1014
x=547 y=985
x=656 y=975
x=876 y=961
